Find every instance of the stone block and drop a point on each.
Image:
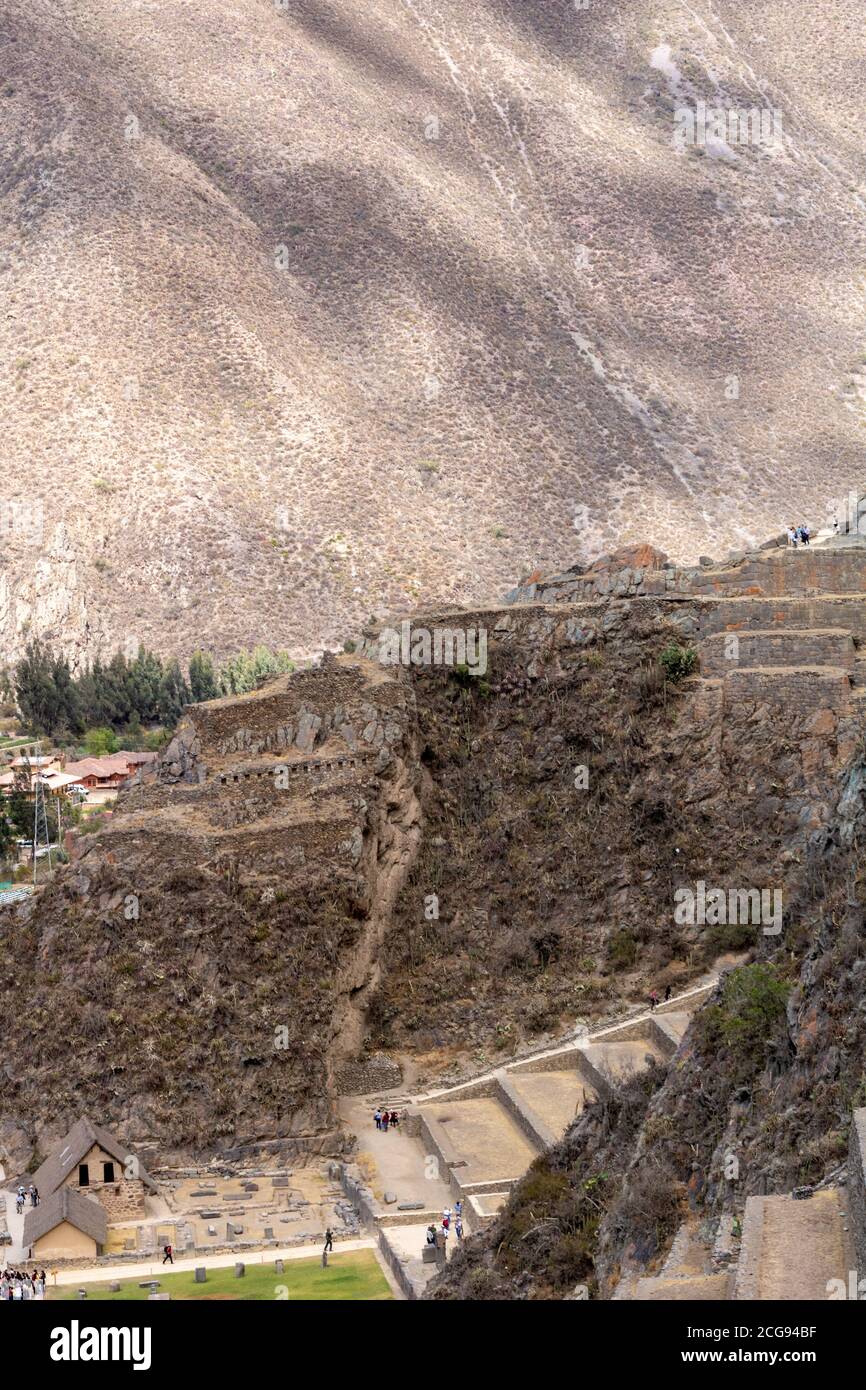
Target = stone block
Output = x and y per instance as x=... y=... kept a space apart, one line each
x=201 y=1274
x=240 y=1270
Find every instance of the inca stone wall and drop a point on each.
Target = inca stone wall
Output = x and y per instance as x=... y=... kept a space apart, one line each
x=801 y=691
x=857 y=1187
x=827 y=647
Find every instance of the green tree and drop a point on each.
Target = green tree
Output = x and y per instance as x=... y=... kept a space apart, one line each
x=66 y=694
x=20 y=807
x=7 y=834
x=173 y=693
x=100 y=741
x=146 y=676
x=203 y=682
x=35 y=691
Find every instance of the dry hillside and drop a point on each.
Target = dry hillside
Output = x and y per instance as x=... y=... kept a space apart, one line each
x=313 y=309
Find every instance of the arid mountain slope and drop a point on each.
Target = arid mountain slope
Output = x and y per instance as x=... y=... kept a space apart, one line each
x=313 y=310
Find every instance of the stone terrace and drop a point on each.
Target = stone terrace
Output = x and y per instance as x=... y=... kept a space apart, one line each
x=777 y=627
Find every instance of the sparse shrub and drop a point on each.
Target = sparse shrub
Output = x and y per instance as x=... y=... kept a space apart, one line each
x=649 y=1210
x=546 y=942
x=514 y=951
x=622 y=950
x=732 y=936
x=678 y=662
x=750 y=1012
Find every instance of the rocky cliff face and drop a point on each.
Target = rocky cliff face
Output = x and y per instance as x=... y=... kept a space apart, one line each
x=759 y=1096
x=195 y=971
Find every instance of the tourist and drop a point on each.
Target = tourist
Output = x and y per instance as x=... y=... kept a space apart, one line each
x=446 y=1218
x=385 y=1119
x=378 y=1119
x=34 y=1196
x=329 y=1240
x=394 y=1119
x=667 y=993
x=167 y=1256
x=458 y=1228
x=458 y=1209
x=653 y=1000
x=431 y=1234
x=792 y=537
x=805 y=534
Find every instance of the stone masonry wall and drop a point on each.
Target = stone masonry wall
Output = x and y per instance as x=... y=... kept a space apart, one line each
x=827 y=647
x=800 y=691
x=121 y=1199
x=734 y=615
x=857 y=1188
x=774 y=572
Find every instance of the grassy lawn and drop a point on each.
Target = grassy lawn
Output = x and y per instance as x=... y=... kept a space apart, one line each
x=355 y=1275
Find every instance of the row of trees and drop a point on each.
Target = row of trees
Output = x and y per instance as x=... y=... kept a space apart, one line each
x=126 y=693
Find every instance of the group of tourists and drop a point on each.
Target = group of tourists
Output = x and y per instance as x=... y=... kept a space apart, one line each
x=15 y=1284
x=445 y=1230
x=22 y=1195
x=654 y=999
x=798 y=535
x=383 y=1118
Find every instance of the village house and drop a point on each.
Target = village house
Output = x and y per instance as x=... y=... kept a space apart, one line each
x=94 y=1163
x=66 y=1226
x=105 y=775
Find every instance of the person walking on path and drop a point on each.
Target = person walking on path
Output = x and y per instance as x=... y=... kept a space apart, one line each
x=385 y=1119
x=329 y=1240
x=395 y=1119
x=167 y=1256
x=668 y=992
x=458 y=1229
x=653 y=1000
x=378 y=1119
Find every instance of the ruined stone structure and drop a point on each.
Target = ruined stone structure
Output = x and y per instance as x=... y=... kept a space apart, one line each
x=777 y=628
x=247 y=890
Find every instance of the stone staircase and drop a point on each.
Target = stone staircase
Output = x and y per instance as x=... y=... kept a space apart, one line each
x=486 y=1132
